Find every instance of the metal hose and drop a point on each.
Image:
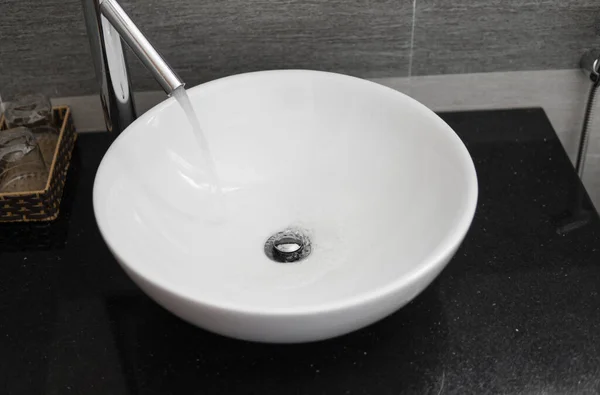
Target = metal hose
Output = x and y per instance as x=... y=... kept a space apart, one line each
x=579 y=214
x=590 y=63
x=585 y=129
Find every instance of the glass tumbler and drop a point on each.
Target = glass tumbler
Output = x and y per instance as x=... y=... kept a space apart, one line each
x=22 y=167
x=34 y=111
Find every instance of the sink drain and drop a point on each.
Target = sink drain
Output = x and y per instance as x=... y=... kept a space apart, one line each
x=290 y=245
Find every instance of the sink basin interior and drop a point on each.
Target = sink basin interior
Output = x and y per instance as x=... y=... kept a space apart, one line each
x=377 y=186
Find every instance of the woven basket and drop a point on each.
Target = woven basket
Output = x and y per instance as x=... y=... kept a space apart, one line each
x=43 y=205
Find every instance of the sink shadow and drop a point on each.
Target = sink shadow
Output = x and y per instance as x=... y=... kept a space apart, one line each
x=163 y=354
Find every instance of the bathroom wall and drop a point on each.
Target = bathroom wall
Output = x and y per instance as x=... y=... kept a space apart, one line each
x=43 y=44
x=450 y=54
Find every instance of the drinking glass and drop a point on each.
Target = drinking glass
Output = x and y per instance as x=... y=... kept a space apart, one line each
x=34 y=111
x=22 y=166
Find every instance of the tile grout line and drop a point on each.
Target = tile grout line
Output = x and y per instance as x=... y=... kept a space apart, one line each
x=412 y=38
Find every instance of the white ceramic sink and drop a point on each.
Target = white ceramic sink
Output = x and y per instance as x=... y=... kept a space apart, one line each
x=383 y=188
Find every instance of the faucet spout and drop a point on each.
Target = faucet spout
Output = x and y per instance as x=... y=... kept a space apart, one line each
x=149 y=56
x=106 y=24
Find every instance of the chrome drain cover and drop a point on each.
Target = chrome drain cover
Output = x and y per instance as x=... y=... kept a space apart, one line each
x=288 y=246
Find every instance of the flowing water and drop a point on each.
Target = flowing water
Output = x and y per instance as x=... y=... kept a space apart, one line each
x=216 y=206
x=207 y=160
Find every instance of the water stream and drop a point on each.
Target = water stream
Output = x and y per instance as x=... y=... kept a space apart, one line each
x=216 y=209
x=207 y=159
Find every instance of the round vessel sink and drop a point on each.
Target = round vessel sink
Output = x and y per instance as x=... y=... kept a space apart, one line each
x=341 y=200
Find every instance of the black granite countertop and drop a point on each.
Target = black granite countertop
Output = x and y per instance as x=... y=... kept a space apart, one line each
x=517 y=311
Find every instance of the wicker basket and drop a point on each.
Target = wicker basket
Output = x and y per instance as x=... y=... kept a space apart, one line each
x=43 y=205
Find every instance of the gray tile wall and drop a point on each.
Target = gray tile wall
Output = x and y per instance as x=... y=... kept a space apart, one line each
x=208 y=39
x=43 y=45
x=467 y=36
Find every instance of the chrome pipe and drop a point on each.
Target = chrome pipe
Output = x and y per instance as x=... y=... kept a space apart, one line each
x=148 y=55
x=111 y=69
x=106 y=25
x=590 y=65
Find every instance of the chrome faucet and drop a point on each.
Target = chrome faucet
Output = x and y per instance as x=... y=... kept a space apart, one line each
x=107 y=23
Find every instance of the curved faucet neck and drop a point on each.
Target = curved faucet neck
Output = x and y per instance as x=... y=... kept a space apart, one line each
x=106 y=24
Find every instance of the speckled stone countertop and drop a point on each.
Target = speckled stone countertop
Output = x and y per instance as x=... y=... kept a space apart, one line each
x=517 y=311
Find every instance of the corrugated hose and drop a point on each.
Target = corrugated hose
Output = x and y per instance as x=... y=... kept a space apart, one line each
x=587 y=119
